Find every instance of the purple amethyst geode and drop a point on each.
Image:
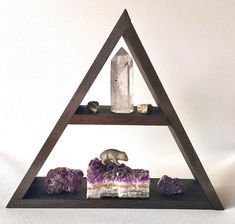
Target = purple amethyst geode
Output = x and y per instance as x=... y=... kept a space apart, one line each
x=97 y=172
x=170 y=186
x=62 y=179
x=111 y=180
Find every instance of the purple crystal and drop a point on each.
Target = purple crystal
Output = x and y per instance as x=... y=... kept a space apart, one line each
x=97 y=172
x=112 y=180
x=62 y=179
x=170 y=186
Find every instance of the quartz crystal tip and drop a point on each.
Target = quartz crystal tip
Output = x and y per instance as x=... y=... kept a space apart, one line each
x=120 y=52
x=122 y=82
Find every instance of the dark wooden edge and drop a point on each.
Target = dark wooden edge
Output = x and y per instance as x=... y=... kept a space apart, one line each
x=36 y=197
x=106 y=117
x=74 y=103
x=38 y=203
x=160 y=96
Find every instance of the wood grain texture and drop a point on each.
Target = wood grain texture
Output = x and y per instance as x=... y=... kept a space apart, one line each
x=36 y=197
x=106 y=117
x=160 y=96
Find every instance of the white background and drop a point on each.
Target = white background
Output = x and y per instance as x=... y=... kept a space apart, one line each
x=46 y=48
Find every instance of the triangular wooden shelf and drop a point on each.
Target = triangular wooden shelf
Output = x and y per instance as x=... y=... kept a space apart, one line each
x=199 y=193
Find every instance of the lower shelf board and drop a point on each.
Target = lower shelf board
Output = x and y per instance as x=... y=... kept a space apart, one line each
x=36 y=197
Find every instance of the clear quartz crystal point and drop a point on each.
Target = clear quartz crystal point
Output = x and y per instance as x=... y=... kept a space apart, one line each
x=122 y=82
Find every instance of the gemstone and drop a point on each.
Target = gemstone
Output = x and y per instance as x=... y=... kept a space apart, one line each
x=144 y=108
x=170 y=186
x=93 y=107
x=112 y=180
x=122 y=82
x=62 y=179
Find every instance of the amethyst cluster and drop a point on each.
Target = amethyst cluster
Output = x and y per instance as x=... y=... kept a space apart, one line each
x=62 y=179
x=112 y=180
x=170 y=186
x=98 y=173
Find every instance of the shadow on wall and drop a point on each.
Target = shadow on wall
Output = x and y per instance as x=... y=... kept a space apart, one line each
x=226 y=175
x=11 y=162
x=11 y=172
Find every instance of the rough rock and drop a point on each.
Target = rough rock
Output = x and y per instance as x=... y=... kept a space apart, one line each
x=62 y=179
x=170 y=186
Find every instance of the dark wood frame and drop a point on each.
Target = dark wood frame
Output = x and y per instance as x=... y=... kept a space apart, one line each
x=164 y=115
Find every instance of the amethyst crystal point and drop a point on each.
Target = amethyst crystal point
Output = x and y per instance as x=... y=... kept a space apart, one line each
x=62 y=179
x=112 y=180
x=170 y=186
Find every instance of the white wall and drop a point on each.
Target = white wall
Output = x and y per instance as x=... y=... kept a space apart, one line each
x=46 y=48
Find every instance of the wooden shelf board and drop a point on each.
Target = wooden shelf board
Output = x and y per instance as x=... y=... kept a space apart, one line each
x=36 y=197
x=106 y=117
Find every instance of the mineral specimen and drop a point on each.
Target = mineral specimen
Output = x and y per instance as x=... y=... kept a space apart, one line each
x=113 y=155
x=62 y=179
x=144 y=108
x=93 y=107
x=122 y=82
x=112 y=180
x=170 y=186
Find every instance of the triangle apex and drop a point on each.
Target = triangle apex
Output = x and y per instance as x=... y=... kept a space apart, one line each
x=125 y=13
